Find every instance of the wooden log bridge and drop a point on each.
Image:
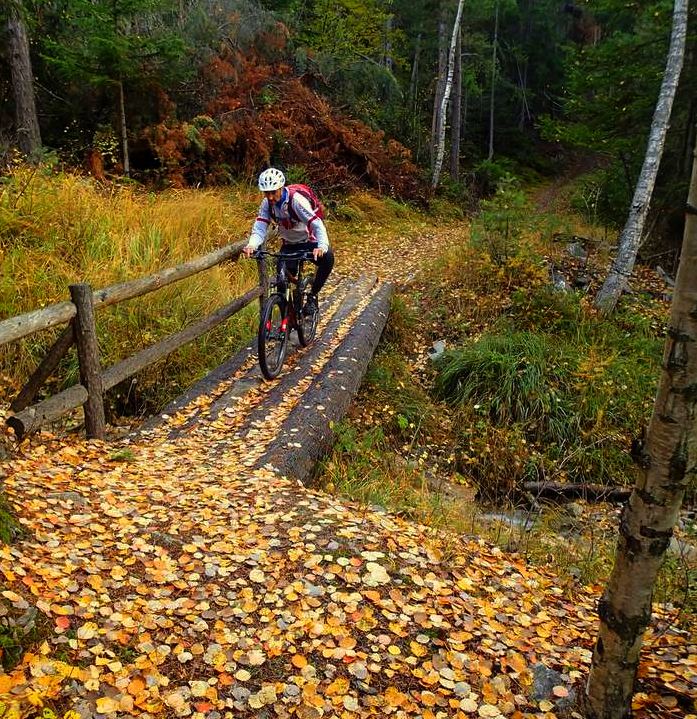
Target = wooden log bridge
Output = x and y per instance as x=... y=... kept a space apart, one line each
x=285 y=424
x=79 y=312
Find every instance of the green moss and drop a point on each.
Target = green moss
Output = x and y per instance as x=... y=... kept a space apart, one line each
x=10 y=529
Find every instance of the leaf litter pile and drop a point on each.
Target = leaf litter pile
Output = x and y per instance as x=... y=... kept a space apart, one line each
x=179 y=580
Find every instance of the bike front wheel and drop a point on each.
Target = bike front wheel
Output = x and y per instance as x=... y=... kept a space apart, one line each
x=272 y=339
x=307 y=324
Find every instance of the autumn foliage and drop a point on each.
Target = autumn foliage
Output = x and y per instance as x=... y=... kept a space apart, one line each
x=258 y=114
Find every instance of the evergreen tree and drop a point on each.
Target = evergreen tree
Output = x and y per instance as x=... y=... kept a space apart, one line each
x=117 y=45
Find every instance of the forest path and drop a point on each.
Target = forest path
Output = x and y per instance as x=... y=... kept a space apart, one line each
x=553 y=196
x=174 y=575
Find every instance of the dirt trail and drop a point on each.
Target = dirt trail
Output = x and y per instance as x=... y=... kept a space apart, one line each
x=177 y=577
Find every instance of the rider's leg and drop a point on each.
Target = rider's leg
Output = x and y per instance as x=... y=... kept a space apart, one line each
x=324 y=268
x=291 y=265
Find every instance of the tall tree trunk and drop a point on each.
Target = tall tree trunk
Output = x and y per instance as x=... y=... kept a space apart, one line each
x=524 y=107
x=525 y=31
x=414 y=82
x=463 y=129
x=388 y=60
x=28 y=133
x=123 y=131
x=414 y=97
x=440 y=85
x=440 y=148
x=493 y=84
x=649 y=517
x=630 y=239
x=689 y=136
x=456 y=112
x=689 y=68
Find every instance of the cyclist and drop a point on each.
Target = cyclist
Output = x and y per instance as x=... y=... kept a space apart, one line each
x=300 y=228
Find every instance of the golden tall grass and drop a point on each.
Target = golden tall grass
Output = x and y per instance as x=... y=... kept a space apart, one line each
x=59 y=228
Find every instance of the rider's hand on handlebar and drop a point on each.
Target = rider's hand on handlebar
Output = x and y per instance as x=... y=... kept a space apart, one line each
x=248 y=251
x=317 y=253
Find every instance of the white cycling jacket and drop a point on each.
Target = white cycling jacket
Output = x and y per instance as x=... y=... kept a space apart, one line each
x=309 y=227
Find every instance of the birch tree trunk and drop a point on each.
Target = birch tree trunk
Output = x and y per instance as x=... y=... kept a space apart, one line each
x=463 y=129
x=631 y=236
x=28 y=133
x=440 y=85
x=440 y=145
x=493 y=85
x=414 y=97
x=456 y=110
x=649 y=517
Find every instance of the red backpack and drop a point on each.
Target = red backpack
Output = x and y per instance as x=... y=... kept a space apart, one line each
x=309 y=194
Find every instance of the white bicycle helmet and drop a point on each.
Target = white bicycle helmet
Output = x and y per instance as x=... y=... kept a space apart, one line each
x=271 y=179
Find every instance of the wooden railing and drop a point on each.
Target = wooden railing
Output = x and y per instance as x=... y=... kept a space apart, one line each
x=79 y=312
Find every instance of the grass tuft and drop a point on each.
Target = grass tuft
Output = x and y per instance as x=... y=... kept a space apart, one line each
x=511 y=378
x=10 y=528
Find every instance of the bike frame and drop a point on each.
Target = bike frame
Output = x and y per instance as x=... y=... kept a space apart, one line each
x=283 y=282
x=289 y=302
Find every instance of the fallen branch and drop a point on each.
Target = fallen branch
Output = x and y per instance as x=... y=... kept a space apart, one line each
x=565 y=492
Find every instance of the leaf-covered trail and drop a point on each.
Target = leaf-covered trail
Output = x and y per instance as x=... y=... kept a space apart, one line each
x=184 y=581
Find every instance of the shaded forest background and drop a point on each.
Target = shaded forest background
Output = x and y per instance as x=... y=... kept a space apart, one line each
x=346 y=93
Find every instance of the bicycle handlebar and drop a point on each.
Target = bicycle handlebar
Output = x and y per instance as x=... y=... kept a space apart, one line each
x=301 y=255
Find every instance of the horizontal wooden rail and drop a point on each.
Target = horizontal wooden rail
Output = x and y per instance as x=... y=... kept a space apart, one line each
x=148 y=356
x=15 y=328
x=54 y=407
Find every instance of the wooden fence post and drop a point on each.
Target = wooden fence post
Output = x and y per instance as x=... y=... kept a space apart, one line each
x=88 y=355
x=264 y=282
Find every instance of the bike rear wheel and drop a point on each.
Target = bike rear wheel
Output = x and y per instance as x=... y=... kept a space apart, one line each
x=307 y=324
x=272 y=339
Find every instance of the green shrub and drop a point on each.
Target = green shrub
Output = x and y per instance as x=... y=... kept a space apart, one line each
x=575 y=386
x=602 y=197
x=489 y=174
x=501 y=221
x=511 y=378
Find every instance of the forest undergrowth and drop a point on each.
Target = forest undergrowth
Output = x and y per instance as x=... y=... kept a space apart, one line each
x=495 y=374
x=532 y=386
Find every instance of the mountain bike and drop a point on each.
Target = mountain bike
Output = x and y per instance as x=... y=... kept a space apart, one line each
x=284 y=310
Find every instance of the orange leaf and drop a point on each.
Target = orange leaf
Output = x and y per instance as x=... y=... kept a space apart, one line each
x=299 y=661
x=225 y=679
x=136 y=686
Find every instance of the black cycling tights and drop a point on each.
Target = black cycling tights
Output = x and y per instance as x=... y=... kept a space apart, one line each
x=324 y=263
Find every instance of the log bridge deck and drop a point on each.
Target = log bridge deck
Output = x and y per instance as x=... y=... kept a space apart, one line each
x=285 y=424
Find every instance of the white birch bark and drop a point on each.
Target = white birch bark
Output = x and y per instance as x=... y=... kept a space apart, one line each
x=440 y=84
x=414 y=82
x=652 y=511
x=456 y=110
x=630 y=239
x=388 y=60
x=440 y=134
